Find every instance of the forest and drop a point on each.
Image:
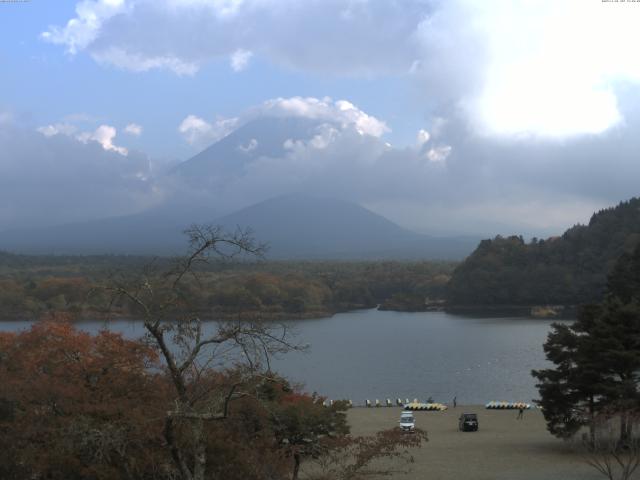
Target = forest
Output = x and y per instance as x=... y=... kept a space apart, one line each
x=31 y=286
x=570 y=269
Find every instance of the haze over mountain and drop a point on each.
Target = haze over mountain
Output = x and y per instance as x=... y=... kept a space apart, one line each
x=257 y=160
x=294 y=226
x=303 y=226
x=154 y=232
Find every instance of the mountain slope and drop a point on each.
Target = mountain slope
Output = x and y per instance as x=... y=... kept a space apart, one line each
x=566 y=270
x=295 y=227
x=303 y=226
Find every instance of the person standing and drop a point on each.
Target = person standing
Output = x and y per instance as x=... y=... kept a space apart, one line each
x=455 y=402
x=520 y=413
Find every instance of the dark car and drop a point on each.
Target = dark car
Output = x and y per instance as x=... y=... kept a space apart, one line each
x=468 y=422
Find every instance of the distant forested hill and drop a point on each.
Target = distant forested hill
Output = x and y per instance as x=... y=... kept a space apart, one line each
x=566 y=270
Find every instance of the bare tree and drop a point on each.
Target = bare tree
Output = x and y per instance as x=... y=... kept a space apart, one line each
x=193 y=351
x=603 y=450
x=353 y=458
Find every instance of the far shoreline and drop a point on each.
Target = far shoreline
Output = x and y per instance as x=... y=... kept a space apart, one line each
x=478 y=311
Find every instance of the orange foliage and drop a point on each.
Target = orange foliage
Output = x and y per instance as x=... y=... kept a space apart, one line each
x=77 y=404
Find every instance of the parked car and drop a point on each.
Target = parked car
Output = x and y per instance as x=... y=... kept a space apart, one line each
x=407 y=421
x=468 y=422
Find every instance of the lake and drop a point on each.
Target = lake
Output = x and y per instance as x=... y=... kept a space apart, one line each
x=371 y=354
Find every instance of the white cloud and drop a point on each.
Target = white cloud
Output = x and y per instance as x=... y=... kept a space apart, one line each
x=503 y=62
x=104 y=135
x=516 y=68
x=57 y=129
x=82 y=30
x=341 y=112
x=183 y=35
x=553 y=68
x=133 y=129
x=439 y=154
x=544 y=70
x=422 y=137
x=199 y=132
x=249 y=147
x=137 y=62
x=240 y=59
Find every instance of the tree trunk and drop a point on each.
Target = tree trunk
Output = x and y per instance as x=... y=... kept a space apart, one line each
x=176 y=453
x=200 y=451
x=296 y=466
x=592 y=422
x=624 y=429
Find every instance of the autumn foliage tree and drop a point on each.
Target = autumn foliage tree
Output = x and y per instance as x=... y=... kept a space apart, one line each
x=75 y=405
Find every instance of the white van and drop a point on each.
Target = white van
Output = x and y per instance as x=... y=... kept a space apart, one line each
x=407 y=421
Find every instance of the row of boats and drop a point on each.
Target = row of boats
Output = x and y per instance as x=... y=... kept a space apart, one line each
x=439 y=407
x=435 y=406
x=493 y=405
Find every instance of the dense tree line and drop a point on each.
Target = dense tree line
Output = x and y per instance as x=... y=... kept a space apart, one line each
x=31 y=286
x=567 y=270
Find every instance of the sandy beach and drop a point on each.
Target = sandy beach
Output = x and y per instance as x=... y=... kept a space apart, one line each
x=503 y=448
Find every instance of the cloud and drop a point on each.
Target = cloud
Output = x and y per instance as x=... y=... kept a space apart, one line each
x=136 y=62
x=531 y=69
x=514 y=68
x=82 y=30
x=133 y=129
x=451 y=182
x=439 y=154
x=341 y=113
x=199 y=132
x=56 y=179
x=240 y=59
x=104 y=135
x=422 y=137
x=58 y=129
x=141 y=35
x=249 y=147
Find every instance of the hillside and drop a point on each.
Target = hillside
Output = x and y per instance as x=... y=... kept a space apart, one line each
x=294 y=227
x=566 y=270
x=304 y=226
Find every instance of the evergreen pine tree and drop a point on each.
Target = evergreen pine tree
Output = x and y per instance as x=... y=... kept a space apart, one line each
x=597 y=359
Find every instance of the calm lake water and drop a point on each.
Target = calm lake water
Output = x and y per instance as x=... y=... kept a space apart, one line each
x=371 y=354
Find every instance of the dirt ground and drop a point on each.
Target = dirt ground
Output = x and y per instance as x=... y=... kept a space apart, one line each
x=503 y=448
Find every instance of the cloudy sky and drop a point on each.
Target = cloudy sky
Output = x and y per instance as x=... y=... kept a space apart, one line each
x=453 y=116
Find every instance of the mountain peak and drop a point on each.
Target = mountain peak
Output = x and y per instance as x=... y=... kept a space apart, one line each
x=264 y=136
